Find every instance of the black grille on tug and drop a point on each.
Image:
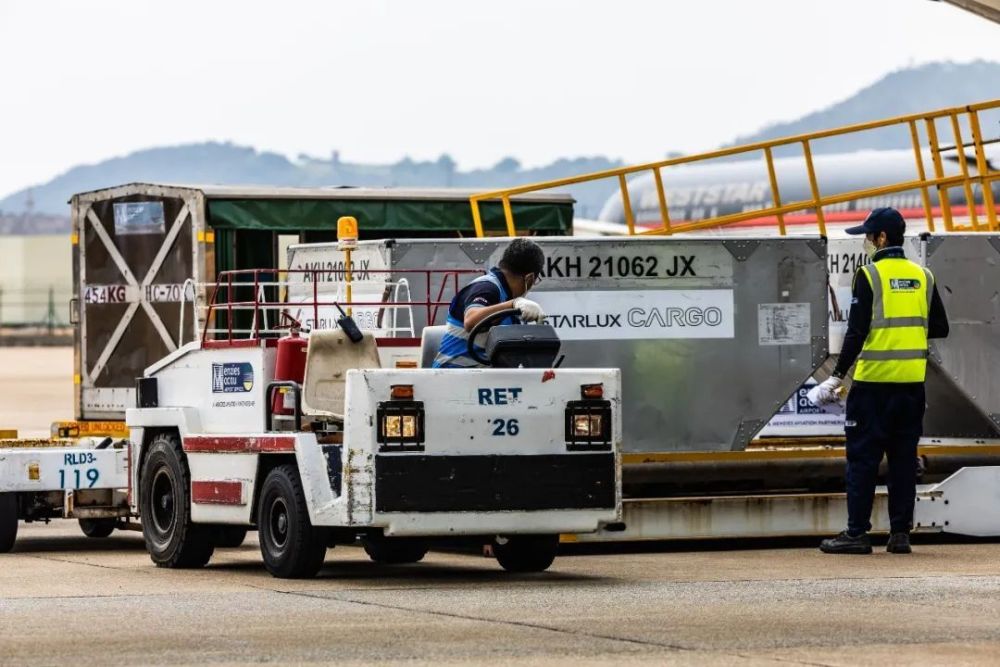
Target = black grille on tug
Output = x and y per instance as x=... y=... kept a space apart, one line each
x=422 y=483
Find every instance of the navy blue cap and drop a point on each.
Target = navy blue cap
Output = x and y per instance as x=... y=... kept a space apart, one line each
x=886 y=219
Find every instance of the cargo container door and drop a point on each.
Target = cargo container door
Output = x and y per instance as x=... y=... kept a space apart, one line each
x=136 y=252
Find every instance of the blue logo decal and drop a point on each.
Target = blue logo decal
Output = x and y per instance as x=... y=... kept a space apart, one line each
x=230 y=378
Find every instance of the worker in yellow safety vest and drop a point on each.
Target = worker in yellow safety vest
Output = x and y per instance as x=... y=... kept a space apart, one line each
x=895 y=309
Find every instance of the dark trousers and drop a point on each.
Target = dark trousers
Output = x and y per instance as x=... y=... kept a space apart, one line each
x=883 y=419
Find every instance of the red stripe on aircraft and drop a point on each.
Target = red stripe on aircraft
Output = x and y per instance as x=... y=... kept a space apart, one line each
x=835 y=216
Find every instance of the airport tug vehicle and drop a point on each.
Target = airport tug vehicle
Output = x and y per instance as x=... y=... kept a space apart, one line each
x=509 y=455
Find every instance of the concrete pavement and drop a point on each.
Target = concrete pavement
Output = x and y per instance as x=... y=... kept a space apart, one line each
x=64 y=598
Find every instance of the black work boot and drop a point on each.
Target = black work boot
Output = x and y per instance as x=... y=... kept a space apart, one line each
x=899 y=543
x=845 y=543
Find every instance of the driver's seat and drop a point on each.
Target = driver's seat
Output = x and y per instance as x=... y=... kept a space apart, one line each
x=331 y=353
x=430 y=343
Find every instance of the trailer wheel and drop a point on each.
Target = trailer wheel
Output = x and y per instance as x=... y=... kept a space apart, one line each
x=8 y=521
x=97 y=527
x=526 y=553
x=229 y=537
x=394 y=550
x=165 y=508
x=292 y=548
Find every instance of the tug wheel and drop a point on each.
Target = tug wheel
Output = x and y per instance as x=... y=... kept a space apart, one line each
x=525 y=553
x=97 y=528
x=292 y=548
x=229 y=537
x=165 y=507
x=8 y=521
x=394 y=550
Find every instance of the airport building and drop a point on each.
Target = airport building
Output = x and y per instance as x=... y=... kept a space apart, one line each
x=36 y=281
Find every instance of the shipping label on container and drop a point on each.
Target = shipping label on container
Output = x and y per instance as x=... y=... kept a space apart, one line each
x=650 y=265
x=784 y=324
x=106 y=294
x=155 y=293
x=799 y=417
x=168 y=293
x=139 y=217
x=844 y=258
x=326 y=270
x=639 y=314
x=318 y=281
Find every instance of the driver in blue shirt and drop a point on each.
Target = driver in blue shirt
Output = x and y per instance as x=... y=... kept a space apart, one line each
x=502 y=288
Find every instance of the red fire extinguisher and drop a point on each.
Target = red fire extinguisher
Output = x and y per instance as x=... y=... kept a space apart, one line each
x=290 y=364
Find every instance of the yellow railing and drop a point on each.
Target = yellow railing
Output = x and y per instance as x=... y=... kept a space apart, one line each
x=984 y=178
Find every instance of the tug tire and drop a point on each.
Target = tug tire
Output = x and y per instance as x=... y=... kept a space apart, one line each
x=526 y=553
x=8 y=521
x=394 y=550
x=292 y=548
x=172 y=539
x=229 y=537
x=97 y=528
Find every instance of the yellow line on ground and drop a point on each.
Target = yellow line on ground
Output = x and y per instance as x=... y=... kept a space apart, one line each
x=785 y=454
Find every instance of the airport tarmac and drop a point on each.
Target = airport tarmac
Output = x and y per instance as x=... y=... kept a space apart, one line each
x=36 y=388
x=67 y=599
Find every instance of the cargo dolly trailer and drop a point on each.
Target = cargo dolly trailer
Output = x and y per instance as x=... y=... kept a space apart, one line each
x=42 y=480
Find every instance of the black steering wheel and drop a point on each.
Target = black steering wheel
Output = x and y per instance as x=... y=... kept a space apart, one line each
x=482 y=325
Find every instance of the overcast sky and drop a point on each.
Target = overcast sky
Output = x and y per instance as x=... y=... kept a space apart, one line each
x=378 y=80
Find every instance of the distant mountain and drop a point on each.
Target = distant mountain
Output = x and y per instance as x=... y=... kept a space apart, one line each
x=226 y=163
x=913 y=90
x=905 y=91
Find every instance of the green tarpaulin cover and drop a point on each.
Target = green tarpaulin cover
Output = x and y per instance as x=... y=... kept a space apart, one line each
x=394 y=216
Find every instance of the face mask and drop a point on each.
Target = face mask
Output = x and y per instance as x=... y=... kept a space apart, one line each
x=528 y=284
x=870 y=248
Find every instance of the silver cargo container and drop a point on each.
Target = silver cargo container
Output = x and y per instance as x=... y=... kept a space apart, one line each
x=712 y=335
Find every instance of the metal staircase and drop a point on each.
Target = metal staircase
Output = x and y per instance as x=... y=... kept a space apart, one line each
x=926 y=131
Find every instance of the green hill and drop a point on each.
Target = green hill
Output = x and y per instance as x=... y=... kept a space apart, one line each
x=913 y=90
x=226 y=163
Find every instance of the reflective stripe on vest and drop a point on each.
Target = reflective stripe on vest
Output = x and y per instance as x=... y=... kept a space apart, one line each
x=896 y=347
x=892 y=355
x=454 y=350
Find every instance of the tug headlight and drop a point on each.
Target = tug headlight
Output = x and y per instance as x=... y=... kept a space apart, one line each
x=588 y=425
x=400 y=425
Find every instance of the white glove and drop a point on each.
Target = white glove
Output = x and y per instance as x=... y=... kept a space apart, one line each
x=827 y=391
x=530 y=311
